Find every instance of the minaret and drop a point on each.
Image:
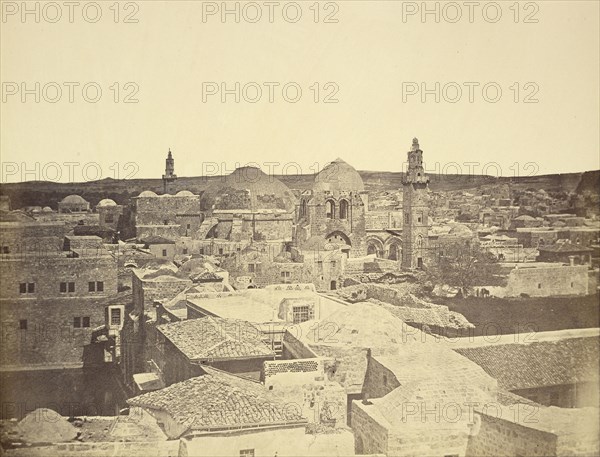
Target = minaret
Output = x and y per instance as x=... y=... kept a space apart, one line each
x=415 y=207
x=169 y=175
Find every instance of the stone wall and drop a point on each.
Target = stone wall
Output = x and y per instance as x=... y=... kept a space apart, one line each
x=38 y=328
x=497 y=437
x=379 y=380
x=370 y=437
x=101 y=449
x=547 y=281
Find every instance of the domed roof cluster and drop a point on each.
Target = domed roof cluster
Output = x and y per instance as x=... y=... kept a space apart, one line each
x=74 y=200
x=150 y=194
x=248 y=188
x=107 y=202
x=338 y=176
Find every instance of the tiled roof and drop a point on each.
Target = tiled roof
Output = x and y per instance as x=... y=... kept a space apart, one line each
x=218 y=400
x=215 y=337
x=548 y=363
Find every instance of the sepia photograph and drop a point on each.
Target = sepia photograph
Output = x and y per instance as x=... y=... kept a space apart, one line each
x=303 y=228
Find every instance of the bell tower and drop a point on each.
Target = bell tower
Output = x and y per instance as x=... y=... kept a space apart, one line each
x=169 y=175
x=415 y=207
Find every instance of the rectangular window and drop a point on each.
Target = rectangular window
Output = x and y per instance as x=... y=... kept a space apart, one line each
x=115 y=316
x=285 y=274
x=539 y=285
x=91 y=286
x=85 y=322
x=251 y=268
x=23 y=288
x=5 y=250
x=301 y=314
x=23 y=324
x=220 y=251
x=63 y=288
x=71 y=287
x=30 y=287
x=77 y=322
x=109 y=218
x=247 y=453
x=189 y=226
x=185 y=251
x=99 y=286
x=164 y=252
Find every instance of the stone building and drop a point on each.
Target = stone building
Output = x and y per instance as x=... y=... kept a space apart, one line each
x=51 y=303
x=416 y=210
x=169 y=216
x=247 y=205
x=231 y=345
x=219 y=414
x=109 y=213
x=73 y=204
x=334 y=209
x=560 y=372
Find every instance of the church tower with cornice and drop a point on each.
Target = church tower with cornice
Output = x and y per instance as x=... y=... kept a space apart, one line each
x=415 y=207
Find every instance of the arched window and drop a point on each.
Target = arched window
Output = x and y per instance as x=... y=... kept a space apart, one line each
x=330 y=209
x=419 y=242
x=343 y=209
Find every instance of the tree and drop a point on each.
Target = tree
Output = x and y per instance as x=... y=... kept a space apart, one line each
x=464 y=266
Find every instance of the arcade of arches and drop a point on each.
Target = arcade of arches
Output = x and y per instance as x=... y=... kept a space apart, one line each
x=389 y=249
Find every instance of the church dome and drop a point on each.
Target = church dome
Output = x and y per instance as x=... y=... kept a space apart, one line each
x=248 y=189
x=184 y=193
x=74 y=200
x=338 y=176
x=147 y=193
x=107 y=202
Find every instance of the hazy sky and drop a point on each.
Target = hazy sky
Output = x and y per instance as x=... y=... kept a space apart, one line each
x=375 y=58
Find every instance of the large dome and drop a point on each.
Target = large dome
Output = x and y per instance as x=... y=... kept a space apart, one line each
x=338 y=176
x=248 y=188
x=73 y=199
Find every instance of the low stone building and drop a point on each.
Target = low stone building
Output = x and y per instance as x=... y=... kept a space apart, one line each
x=561 y=373
x=231 y=345
x=219 y=414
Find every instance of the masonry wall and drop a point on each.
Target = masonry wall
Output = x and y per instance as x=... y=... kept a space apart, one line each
x=280 y=441
x=370 y=437
x=50 y=338
x=498 y=437
x=548 y=281
x=379 y=381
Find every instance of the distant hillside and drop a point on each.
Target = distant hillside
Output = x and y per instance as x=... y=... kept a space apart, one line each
x=43 y=193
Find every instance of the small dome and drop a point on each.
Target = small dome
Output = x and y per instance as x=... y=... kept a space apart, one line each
x=248 y=188
x=147 y=193
x=338 y=176
x=107 y=202
x=460 y=229
x=184 y=193
x=525 y=217
x=46 y=209
x=74 y=199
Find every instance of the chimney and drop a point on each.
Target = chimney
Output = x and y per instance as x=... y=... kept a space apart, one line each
x=572 y=260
